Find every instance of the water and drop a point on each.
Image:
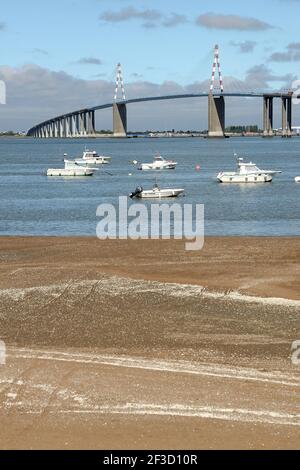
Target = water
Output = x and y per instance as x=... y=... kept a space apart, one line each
x=32 y=204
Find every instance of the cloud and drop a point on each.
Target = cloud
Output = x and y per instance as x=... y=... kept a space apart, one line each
x=231 y=22
x=245 y=46
x=2 y=26
x=150 y=18
x=259 y=76
x=89 y=61
x=35 y=93
x=174 y=20
x=130 y=13
x=40 y=51
x=291 y=54
x=149 y=25
x=137 y=76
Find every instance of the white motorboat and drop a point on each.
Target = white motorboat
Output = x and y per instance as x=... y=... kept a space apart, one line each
x=92 y=158
x=155 y=193
x=297 y=179
x=247 y=173
x=159 y=163
x=71 y=169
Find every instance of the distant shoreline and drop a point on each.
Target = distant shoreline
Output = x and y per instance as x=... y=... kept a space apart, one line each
x=142 y=136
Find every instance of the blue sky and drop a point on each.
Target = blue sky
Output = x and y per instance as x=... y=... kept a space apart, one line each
x=47 y=48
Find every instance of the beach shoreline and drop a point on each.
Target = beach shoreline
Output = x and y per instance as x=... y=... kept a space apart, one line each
x=262 y=266
x=140 y=344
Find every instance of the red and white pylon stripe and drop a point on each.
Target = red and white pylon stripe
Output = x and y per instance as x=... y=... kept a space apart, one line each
x=215 y=65
x=119 y=83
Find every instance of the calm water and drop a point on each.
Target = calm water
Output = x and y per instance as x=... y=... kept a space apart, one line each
x=32 y=204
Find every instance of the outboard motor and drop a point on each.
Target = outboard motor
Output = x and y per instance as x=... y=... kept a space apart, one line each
x=136 y=192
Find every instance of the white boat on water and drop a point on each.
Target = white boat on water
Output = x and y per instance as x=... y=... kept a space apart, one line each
x=297 y=179
x=71 y=169
x=159 y=163
x=155 y=193
x=247 y=173
x=92 y=158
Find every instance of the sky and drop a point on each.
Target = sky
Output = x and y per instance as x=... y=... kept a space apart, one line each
x=58 y=56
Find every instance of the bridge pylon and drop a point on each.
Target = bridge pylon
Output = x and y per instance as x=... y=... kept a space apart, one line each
x=216 y=104
x=120 y=119
x=268 y=116
x=286 y=116
x=119 y=107
x=119 y=83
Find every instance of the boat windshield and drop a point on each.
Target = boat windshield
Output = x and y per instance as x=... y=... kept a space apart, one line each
x=248 y=168
x=90 y=154
x=251 y=167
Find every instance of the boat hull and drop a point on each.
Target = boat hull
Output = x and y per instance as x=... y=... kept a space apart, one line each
x=70 y=172
x=151 y=167
x=160 y=194
x=244 y=179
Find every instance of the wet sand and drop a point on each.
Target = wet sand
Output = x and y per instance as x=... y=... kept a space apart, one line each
x=123 y=344
x=257 y=265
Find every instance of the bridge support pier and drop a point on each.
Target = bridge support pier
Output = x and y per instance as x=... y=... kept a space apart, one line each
x=286 y=116
x=71 y=126
x=120 y=120
x=62 y=127
x=78 y=125
x=81 y=124
x=85 y=124
x=268 y=116
x=55 y=129
x=68 y=126
x=46 y=128
x=91 y=123
x=216 y=116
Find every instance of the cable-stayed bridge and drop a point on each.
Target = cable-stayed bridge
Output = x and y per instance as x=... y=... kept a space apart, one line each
x=81 y=123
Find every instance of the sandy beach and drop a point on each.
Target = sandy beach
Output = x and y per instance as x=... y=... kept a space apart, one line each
x=140 y=344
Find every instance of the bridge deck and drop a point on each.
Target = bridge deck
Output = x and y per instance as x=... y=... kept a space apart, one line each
x=162 y=98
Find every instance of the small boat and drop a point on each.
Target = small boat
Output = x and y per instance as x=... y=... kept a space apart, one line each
x=159 y=163
x=71 y=169
x=155 y=193
x=92 y=158
x=297 y=179
x=247 y=173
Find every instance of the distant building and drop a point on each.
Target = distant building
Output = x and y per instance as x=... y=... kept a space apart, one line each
x=295 y=129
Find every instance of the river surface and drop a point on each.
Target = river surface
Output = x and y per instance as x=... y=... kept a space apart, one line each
x=32 y=204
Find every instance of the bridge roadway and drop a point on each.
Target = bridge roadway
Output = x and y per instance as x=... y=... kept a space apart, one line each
x=82 y=121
